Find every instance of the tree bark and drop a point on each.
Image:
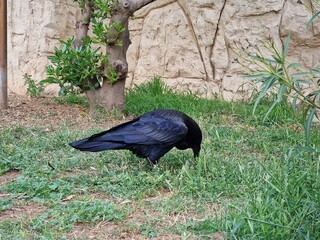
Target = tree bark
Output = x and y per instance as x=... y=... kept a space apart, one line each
x=83 y=24
x=110 y=95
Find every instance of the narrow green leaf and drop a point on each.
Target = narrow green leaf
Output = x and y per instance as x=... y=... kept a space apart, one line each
x=302 y=73
x=308 y=124
x=306 y=149
x=297 y=80
x=235 y=228
x=312 y=19
x=317 y=92
x=270 y=223
x=315 y=70
x=255 y=76
x=267 y=85
x=293 y=65
x=294 y=104
x=49 y=80
x=280 y=94
x=286 y=47
x=269 y=110
x=278 y=60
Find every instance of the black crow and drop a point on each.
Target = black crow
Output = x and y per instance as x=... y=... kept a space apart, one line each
x=149 y=136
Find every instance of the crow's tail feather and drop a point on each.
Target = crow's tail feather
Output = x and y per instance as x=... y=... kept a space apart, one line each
x=91 y=145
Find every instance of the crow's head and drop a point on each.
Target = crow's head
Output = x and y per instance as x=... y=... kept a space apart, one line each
x=196 y=147
x=194 y=137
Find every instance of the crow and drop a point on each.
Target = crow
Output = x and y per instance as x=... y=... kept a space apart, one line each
x=149 y=136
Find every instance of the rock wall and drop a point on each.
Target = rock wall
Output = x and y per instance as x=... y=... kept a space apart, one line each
x=34 y=28
x=187 y=43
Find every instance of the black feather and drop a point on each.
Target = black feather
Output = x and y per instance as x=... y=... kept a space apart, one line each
x=149 y=136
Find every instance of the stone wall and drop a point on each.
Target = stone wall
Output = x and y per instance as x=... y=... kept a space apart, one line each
x=34 y=28
x=185 y=42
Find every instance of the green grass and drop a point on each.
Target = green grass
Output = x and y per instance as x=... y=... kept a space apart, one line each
x=248 y=183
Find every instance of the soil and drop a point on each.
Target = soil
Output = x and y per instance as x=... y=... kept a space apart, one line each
x=19 y=212
x=45 y=112
x=8 y=177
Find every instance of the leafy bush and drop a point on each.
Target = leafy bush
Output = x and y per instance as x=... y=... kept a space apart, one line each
x=79 y=68
x=287 y=81
x=73 y=68
x=34 y=89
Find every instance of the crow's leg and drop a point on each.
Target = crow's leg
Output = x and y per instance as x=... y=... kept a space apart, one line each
x=154 y=164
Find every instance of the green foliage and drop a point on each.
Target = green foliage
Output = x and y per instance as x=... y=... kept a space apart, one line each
x=284 y=80
x=72 y=99
x=103 y=33
x=34 y=89
x=81 y=68
x=82 y=3
x=159 y=95
x=73 y=68
x=314 y=9
x=63 y=217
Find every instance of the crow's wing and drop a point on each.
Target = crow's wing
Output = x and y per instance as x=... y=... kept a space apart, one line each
x=145 y=131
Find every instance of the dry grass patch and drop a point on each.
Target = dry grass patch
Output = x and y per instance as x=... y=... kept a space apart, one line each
x=8 y=177
x=18 y=212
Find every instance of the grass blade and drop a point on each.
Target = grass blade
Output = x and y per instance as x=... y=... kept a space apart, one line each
x=238 y=224
x=270 y=223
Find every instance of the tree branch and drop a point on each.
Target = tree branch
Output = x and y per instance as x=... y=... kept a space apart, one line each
x=83 y=25
x=83 y=28
x=136 y=5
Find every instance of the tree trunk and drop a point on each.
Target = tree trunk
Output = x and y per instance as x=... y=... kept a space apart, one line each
x=110 y=95
x=107 y=97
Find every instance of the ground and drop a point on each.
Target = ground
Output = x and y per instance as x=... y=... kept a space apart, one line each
x=44 y=112
x=253 y=179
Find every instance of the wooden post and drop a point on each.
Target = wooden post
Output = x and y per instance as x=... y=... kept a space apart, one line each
x=3 y=55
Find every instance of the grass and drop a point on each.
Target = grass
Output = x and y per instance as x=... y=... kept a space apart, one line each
x=248 y=183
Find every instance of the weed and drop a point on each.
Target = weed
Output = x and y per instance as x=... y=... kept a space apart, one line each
x=34 y=89
x=72 y=99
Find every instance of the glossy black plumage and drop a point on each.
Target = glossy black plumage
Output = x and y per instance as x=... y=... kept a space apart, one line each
x=149 y=136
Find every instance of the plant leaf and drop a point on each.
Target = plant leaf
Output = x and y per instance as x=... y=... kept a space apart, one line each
x=294 y=104
x=269 y=110
x=267 y=85
x=296 y=80
x=235 y=228
x=256 y=76
x=308 y=124
x=286 y=47
x=312 y=19
x=280 y=93
x=306 y=149
x=293 y=65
